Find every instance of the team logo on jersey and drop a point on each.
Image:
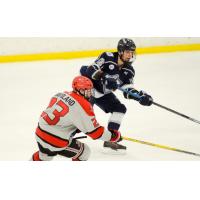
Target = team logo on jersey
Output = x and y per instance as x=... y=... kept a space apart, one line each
x=111 y=67
x=100 y=62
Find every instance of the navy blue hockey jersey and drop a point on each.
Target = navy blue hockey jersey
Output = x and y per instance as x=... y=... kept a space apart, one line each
x=107 y=64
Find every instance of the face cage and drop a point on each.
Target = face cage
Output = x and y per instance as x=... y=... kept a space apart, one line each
x=87 y=93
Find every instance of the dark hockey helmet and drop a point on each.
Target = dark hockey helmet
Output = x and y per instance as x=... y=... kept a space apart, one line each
x=125 y=44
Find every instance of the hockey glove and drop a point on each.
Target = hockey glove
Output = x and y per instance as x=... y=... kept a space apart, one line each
x=110 y=82
x=145 y=99
x=116 y=136
x=127 y=95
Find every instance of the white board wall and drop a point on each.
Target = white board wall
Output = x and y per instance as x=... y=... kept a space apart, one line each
x=13 y=46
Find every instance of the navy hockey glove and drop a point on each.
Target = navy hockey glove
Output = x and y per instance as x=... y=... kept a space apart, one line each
x=129 y=96
x=145 y=99
x=110 y=82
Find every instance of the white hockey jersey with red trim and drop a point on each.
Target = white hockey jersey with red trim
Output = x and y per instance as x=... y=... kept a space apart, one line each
x=67 y=112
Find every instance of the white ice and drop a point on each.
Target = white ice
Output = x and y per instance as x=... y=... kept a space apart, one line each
x=172 y=79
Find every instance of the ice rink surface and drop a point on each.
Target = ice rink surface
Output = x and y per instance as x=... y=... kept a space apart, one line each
x=173 y=80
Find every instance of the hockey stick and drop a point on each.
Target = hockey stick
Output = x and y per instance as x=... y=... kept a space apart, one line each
x=80 y=137
x=161 y=106
x=161 y=146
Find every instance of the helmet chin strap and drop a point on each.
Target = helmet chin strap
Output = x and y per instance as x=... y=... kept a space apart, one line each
x=83 y=95
x=78 y=91
x=120 y=56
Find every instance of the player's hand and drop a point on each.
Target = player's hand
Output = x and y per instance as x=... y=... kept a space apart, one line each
x=110 y=82
x=116 y=136
x=145 y=99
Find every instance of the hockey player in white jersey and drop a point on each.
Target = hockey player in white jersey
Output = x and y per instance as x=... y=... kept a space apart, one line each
x=67 y=114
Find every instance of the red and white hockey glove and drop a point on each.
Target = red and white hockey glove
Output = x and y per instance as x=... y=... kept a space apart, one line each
x=116 y=136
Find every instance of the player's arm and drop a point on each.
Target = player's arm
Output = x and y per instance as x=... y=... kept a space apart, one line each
x=102 y=133
x=145 y=99
x=86 y=122
x=128 y=84
x=94 y=71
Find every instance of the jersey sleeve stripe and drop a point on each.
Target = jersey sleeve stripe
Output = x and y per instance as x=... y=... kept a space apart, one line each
x=97 y=133
x=111 y=62
x=94 y=74
x=53 y=134
x=95 y=66
x=50 y=139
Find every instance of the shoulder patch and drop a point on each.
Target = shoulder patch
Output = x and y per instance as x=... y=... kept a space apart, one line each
x=109 y=54
x=100 y=62
x=111 y=67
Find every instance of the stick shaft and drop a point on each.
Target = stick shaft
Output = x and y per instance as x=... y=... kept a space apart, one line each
x=161 y=146
x=164 y=107
x=178 y=113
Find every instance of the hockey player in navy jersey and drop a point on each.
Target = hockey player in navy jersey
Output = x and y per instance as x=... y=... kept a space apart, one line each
x=110 y=71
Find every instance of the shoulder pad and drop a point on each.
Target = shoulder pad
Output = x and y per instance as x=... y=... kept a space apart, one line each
x=109 y=54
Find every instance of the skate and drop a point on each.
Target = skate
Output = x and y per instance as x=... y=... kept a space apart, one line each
x=114 y=148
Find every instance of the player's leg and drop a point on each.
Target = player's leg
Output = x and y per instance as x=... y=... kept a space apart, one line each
x=117 y=110
x=110 y=104
x=77 y=151
x=43 y=154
